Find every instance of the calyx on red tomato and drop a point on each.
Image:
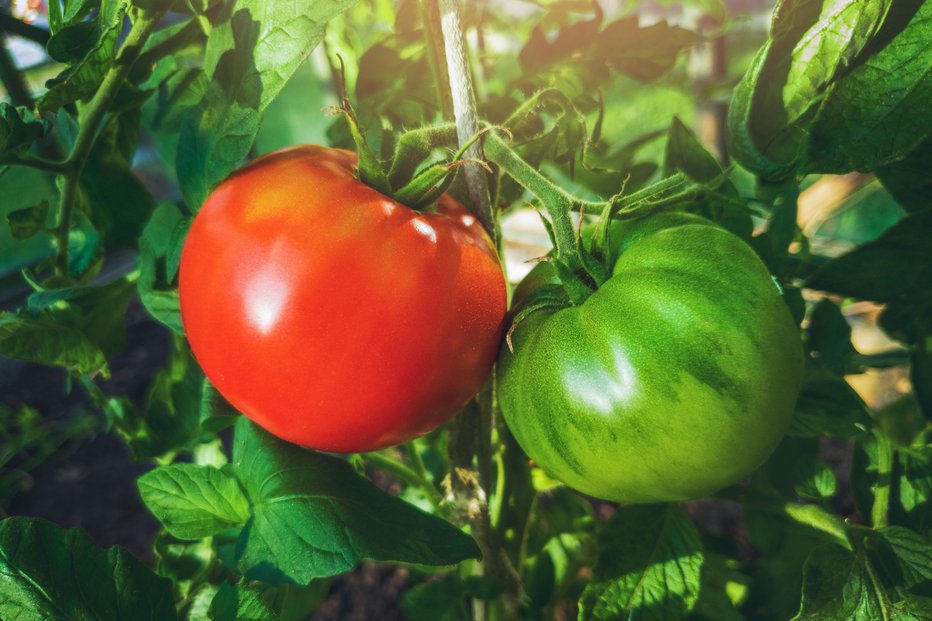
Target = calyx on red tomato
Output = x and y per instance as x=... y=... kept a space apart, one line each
x=331 y=315
x=675 y=379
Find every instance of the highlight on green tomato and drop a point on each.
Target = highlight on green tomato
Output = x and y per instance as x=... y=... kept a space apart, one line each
x=674 y=379
x=332 y=315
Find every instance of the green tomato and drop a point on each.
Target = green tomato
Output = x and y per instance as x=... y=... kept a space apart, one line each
x=675 y=379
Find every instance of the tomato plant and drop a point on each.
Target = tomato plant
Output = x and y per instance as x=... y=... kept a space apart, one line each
x=596 y=310
x=389 y=319
x=675 y=378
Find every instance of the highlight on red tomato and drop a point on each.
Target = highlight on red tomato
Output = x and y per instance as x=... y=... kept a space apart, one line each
x=331 y=315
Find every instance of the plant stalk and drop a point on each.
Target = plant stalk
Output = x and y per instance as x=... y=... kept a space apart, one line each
x=94 y=113
x=403 y=472
x=555 y=200
x=464 y=113
x=436 y=56
x=881 y=507
x=32 y=161
x=467 y=488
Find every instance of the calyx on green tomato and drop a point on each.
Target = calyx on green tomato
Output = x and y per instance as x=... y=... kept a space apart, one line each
x=331 y=315
x=675 y=379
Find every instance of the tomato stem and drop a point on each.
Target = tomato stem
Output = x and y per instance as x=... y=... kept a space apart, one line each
x=93 y=114
x=885 y=457
x=403 y=472
x=436 y=55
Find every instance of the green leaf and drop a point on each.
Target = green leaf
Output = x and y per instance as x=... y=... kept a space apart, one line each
x=50 y=573
x=313 y=516
x=915 y=489
x=80 y=81
x=795 y=469
x=913 y=554
x=844 y=28
x=216 y=412
x=878 y=113
x=68 y=12
x=828 y=406
x=249 y=58
x=240 y=603
x=442 y=600
x=98 y=310
x=24 y=223
x=169 y=420
x=864 y=272
x=73 y=42
x=685 y=153
x=48 y=339
x=194 y=501
x=649 y=565
x=812 y=46
x=830 y=336
x=837 y=587
x=643 y=52
x=19 y=128
x=159 y=255
x=909 y=181
x=119 y=203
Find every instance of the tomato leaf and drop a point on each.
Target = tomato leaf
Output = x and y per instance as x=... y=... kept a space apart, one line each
x=837 y=587
x=313 y=516
x=828 y=406
x=442 y=600
x=830 y=336
x=250 y=57
x=240 y=603
x=795 y=470
x=842 y=585
x=76 y=328
x=812 y=46
x=864 y=272
x=194 y=501
x=878 y=113
x=19 y=128
x=159 y=255
x=24 y=223
x=909 y=181
x=80 y=80
x=73 y=42
x=649 y=565
x=50 y=573
x=916 y=489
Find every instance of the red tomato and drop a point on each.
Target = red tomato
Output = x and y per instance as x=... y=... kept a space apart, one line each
x=331 y=315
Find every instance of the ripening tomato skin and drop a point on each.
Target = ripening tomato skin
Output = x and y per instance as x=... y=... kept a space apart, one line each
x=675 y=379
x=331 y=315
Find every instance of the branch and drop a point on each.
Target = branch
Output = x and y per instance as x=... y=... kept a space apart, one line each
x=32 y=161
x=96 y=109
x=467 y=489
x=464 y=112
x=881 y=506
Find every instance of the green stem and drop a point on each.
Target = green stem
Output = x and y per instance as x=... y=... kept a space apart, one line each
x=881 y=506
x=93 y=115
x=436 y=55
x=414 y=456
x=465 y=114
x=32 y=161
x=406 y=474
x=555 y=200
